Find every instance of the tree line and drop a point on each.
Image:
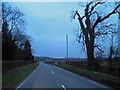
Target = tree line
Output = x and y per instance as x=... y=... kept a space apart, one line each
x=16 y=46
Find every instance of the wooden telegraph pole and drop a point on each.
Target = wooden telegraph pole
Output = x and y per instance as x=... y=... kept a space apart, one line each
x=67 y=47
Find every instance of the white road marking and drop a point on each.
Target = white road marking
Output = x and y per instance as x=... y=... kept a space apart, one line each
x=63 y=87
x=26 y=79
x=104 y=86
x=52 y=72
x=20 y=85
x=97 y=83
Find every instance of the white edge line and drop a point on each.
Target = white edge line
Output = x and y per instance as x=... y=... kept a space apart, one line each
x=97 y=83
x=63 y=87
x=25 y=79
x=20 y=85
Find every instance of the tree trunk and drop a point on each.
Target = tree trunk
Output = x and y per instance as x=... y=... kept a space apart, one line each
x=90 y=57
x=90 y=49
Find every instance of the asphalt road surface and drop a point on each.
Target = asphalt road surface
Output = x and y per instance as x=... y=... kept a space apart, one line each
x=49 y=76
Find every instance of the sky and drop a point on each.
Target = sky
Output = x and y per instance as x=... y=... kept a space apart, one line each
x=47 y=25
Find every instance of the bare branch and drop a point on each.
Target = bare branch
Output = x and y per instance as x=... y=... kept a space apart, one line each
x=80 y=20
x=95 y=12
x=113 y=12
x=98 y=47
x=83 y=17
x=99 y=19
x=93 y=7
x=100 y=33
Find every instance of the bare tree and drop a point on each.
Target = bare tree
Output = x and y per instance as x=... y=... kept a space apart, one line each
x=88 y=29
x=113 y=49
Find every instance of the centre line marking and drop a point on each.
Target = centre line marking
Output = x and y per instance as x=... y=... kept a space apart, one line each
x=63 y=87
x=52 y=72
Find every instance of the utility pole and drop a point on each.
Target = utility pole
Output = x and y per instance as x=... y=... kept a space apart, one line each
x=67 y=46
x=119 y=31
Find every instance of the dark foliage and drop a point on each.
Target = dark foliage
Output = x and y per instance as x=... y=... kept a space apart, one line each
x=16 y=48
x=8 y=44
x=27 y=51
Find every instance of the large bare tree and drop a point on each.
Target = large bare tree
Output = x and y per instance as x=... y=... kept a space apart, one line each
x=89 y=26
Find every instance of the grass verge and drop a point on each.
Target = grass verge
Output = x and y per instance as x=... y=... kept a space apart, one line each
x=14 y=77
x=113 y=82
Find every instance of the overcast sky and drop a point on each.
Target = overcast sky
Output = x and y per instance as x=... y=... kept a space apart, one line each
x=47 y=24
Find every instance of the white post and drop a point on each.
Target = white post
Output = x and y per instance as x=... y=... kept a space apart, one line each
x=119 y=30
x=67 y=46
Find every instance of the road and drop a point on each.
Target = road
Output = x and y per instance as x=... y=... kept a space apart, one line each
x=49 y=76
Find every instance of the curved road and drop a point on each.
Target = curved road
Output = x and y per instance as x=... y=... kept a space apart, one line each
x=49 y=76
